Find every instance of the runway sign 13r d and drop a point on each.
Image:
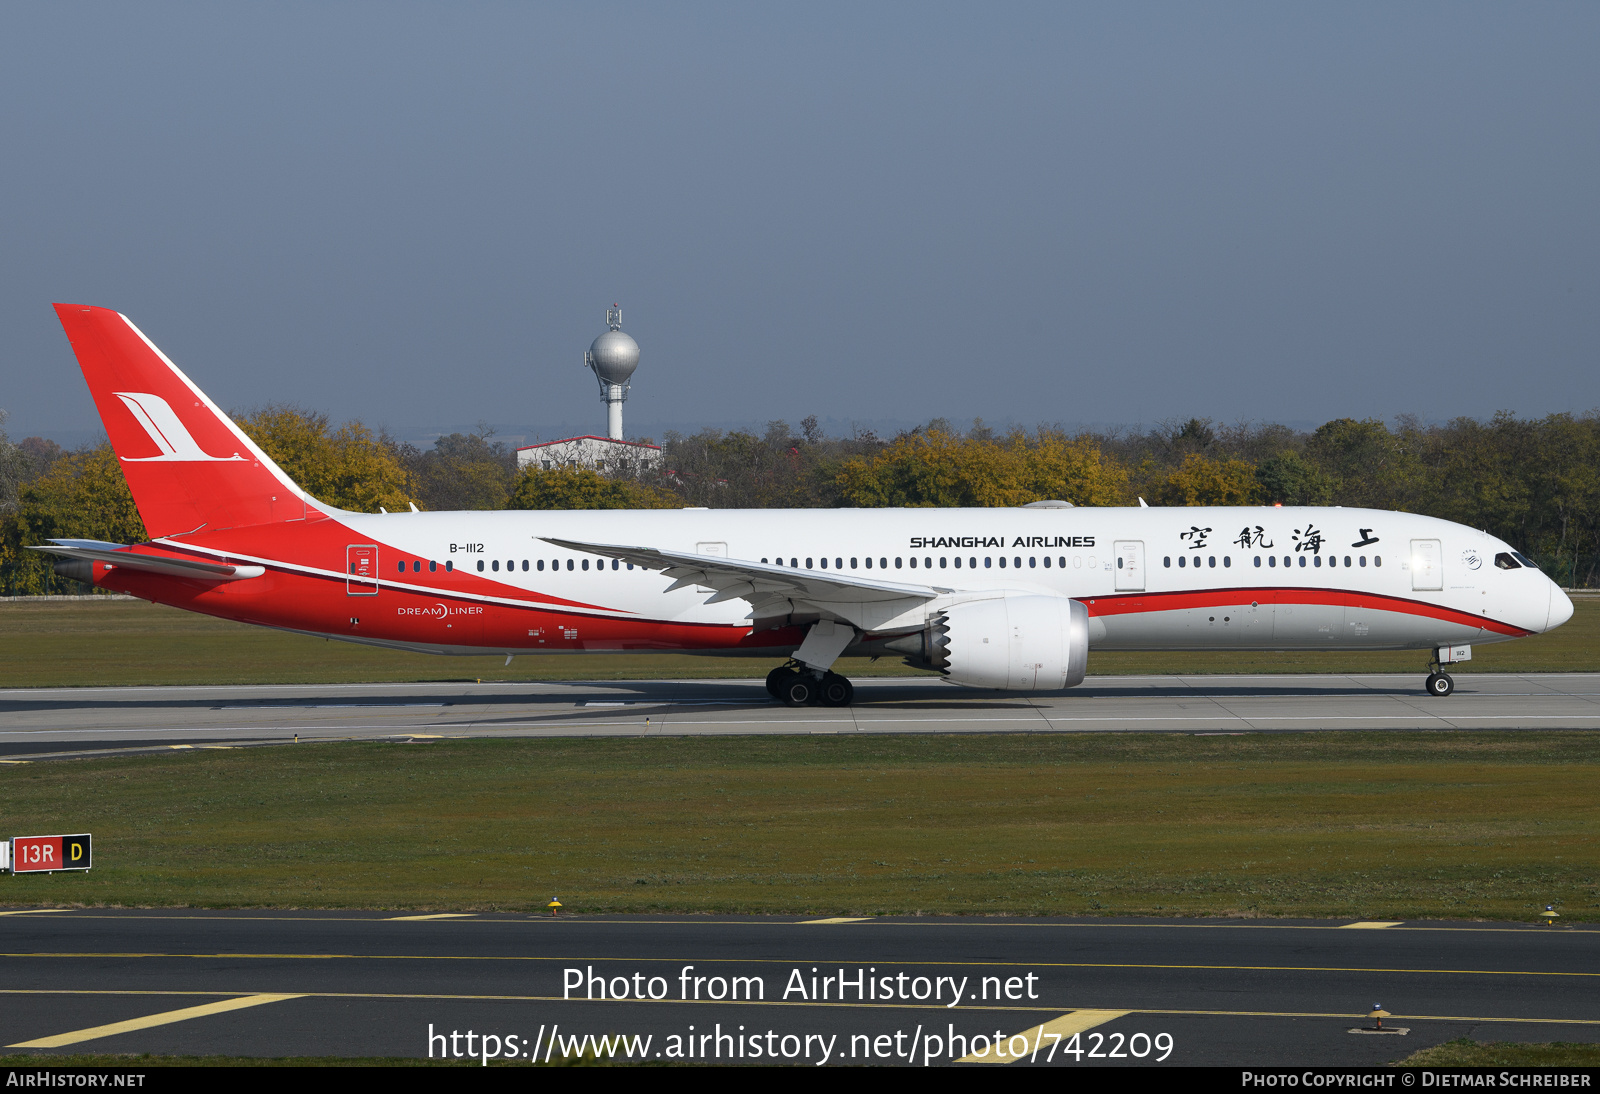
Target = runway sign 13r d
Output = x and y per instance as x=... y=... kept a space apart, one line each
x=45 y=854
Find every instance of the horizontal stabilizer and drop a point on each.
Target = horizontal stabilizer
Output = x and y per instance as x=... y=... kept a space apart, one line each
x=120 y=554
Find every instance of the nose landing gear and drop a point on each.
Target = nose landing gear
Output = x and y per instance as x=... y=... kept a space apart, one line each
x=1439 y=682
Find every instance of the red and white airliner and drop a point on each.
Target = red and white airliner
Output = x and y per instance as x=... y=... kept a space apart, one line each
x=991 y=598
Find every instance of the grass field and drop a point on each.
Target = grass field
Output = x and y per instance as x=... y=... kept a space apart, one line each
x=1466 y=1053
x=1402 y=825
x=80 y=643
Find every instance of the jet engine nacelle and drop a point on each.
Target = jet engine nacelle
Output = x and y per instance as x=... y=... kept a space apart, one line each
x=1015 y=643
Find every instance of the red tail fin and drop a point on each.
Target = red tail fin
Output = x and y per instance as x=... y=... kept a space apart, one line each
x=190 y=468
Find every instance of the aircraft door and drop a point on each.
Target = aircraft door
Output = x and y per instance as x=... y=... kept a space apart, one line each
x=1130 y=565
x=1427 y=565
x=361 y=569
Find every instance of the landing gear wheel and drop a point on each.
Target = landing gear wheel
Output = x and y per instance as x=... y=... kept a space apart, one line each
x=799 y=690
x=1440 y=684
x=836 y=691
x=776 y=679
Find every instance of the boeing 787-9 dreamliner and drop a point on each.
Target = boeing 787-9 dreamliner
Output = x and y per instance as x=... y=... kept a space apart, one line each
x=991 y=598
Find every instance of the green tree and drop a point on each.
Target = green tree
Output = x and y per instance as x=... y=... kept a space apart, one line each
x=82 y=496
x=1368 y=465
x=463 y=471
x=1288 y=478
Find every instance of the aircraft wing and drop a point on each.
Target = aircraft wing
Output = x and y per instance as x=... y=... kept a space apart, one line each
x=772 y=591
x=120 y=554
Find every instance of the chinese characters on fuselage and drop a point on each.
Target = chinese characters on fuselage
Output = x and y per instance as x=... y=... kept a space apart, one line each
x=1309 y=539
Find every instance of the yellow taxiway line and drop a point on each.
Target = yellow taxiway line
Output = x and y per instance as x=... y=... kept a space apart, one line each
x=788 y=961
x=1077 y=1021
x=149 y=1021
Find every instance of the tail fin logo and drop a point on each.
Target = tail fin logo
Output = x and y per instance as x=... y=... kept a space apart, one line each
x=170 y=435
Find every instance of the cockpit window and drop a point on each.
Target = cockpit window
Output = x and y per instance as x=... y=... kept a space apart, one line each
x=1525 y=560
x=1506 y=562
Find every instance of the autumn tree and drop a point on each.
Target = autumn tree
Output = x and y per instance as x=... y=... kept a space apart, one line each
x=349 y=467
x=580 y=488
x=1201 y=480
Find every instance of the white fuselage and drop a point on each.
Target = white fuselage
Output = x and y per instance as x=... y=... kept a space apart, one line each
x=1152 y=578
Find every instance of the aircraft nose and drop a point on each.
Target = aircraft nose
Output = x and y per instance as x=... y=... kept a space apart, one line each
x=1560 y=607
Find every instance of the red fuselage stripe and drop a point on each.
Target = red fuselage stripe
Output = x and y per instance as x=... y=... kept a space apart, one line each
x=1135 y=603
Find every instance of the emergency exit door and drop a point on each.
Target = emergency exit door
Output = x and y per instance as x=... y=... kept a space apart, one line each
x=1130 y=565
x=361 y=569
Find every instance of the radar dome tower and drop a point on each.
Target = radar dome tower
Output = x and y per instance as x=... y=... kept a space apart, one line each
x=613 y=357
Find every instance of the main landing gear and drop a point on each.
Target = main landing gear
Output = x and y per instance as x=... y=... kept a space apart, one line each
x=799 y=686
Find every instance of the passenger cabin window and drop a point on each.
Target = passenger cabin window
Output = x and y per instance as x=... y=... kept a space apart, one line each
x=1167 y=561
x=449 y=566
x=433 y=567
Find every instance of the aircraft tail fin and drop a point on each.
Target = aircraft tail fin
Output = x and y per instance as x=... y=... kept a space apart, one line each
x=189 y=466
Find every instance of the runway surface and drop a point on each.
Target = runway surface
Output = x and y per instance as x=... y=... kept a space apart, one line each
x=1233 y=992
x=38 y=723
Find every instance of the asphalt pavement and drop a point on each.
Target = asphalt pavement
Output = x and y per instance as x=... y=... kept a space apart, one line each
x=41 y=722
x=757 y=990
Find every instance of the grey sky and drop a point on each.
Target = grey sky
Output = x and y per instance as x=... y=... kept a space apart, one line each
x=416 y=214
